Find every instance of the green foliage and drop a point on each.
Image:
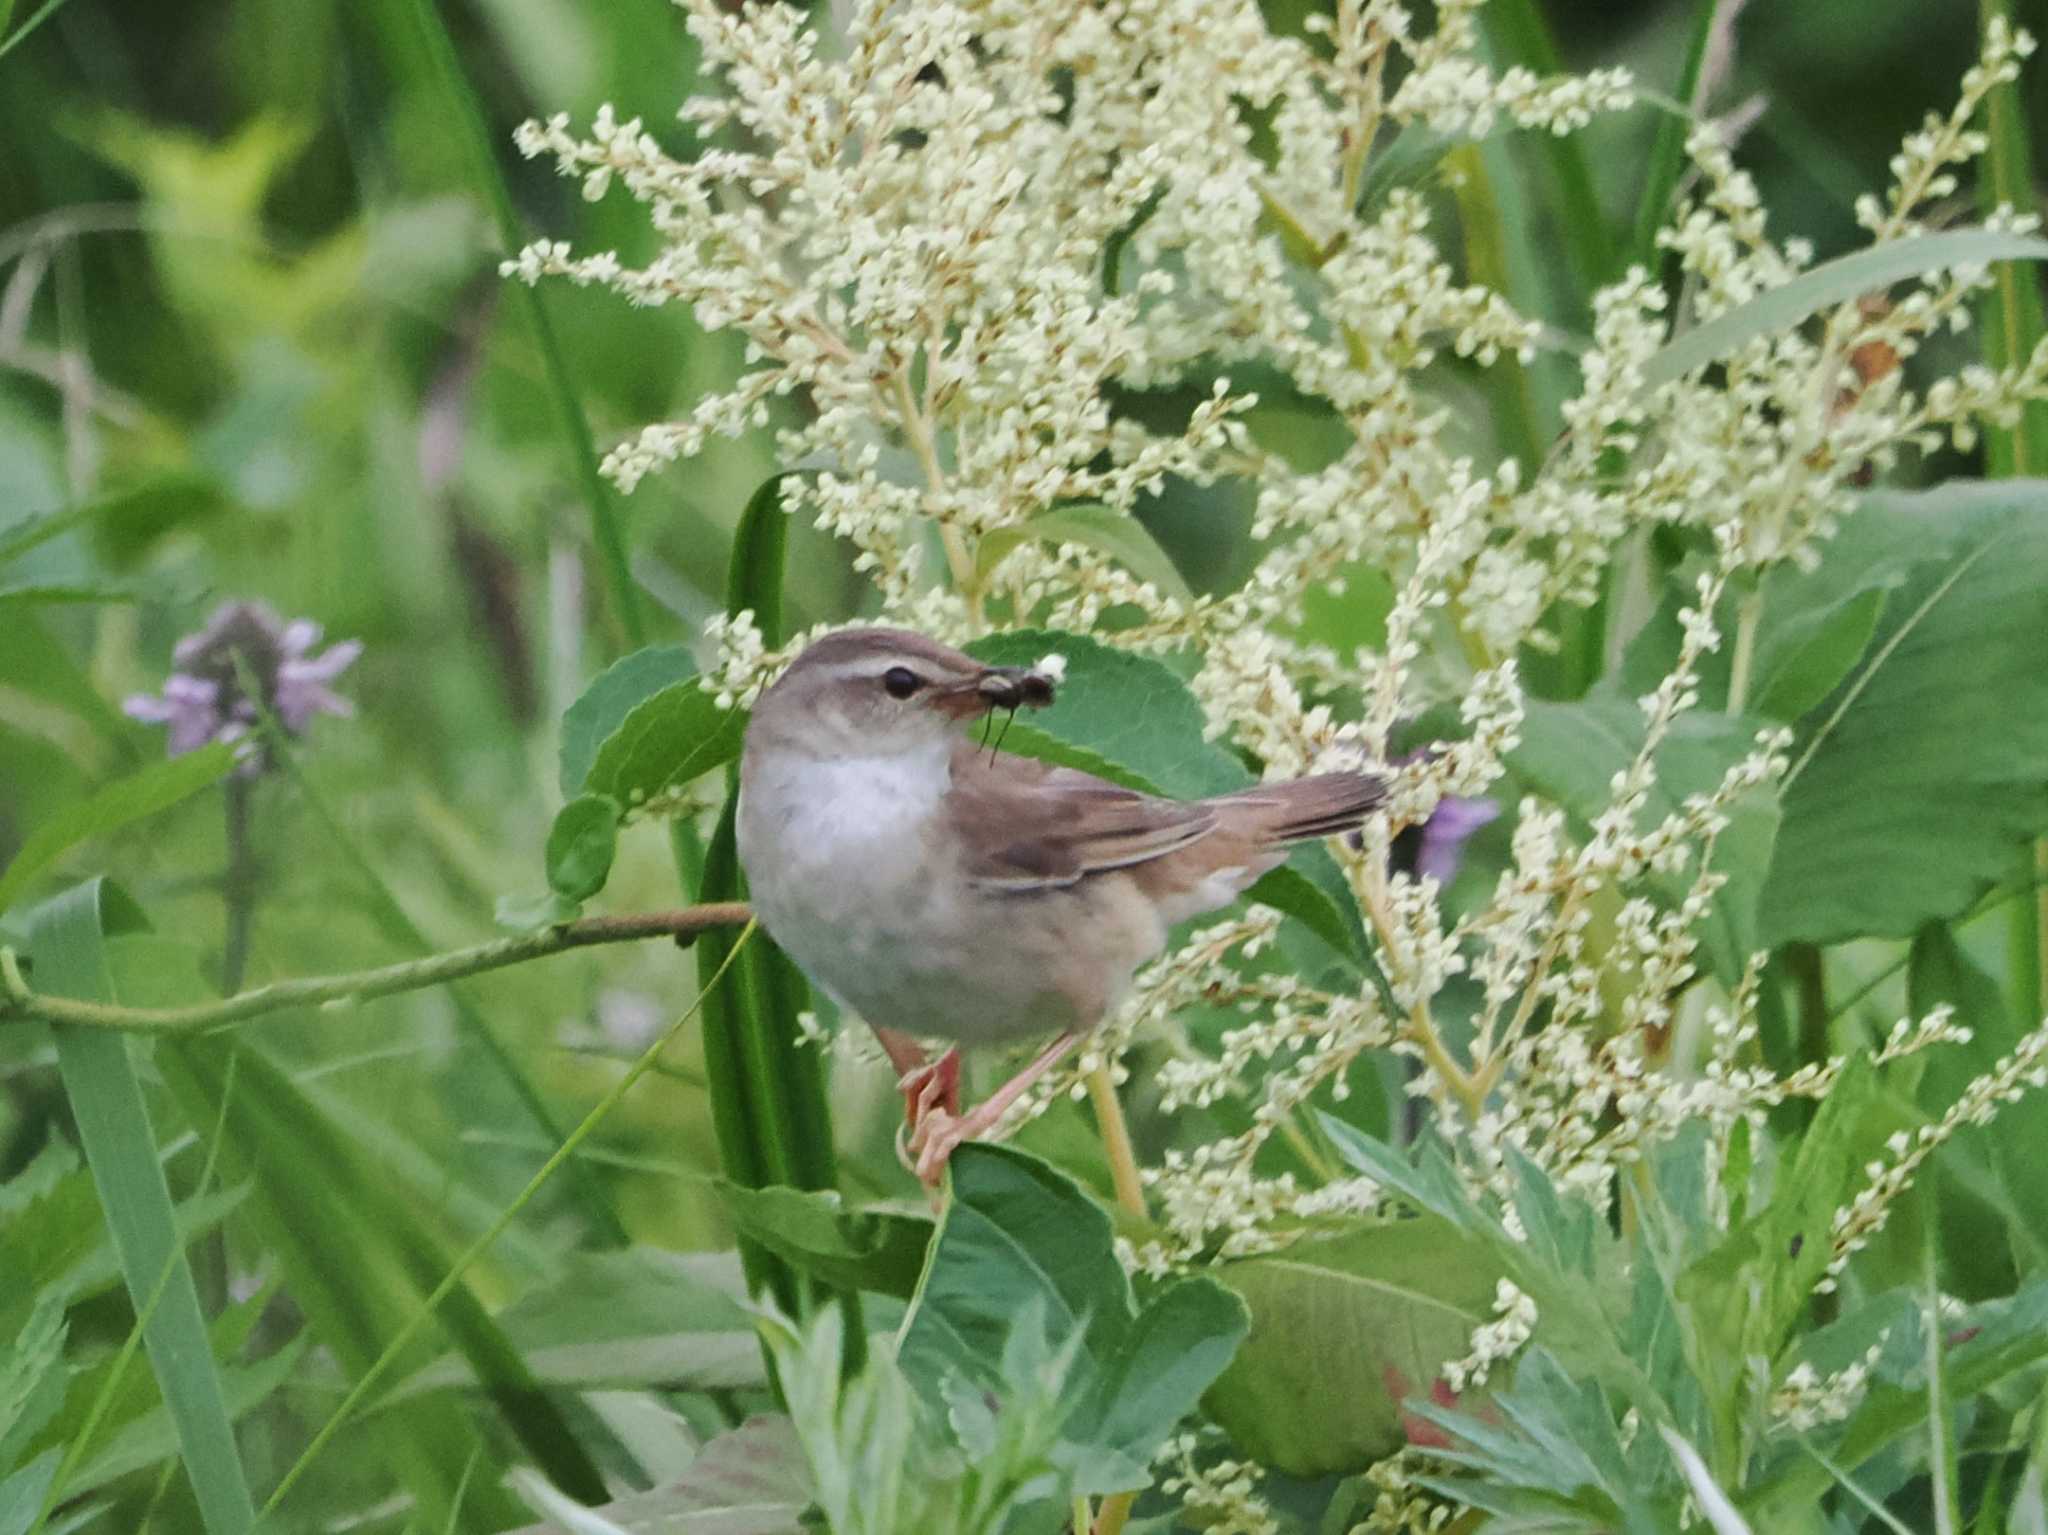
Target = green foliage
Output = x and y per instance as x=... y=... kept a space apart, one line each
x=1023 y=1267
x=154 y=788
x=1388 y=1304
x=1914 y=780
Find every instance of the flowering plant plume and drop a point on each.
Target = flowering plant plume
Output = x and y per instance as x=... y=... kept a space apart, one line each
x=992 y=260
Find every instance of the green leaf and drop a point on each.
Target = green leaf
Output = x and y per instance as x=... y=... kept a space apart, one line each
x=1121 y=716
x=751 y=1481
x=1310 y=888
x=33 y=1379
x=66 y=936
x=665 y=741
x=581 y=845
x=753 y=582
x=1021 y=1243
x=156 y=787
x=1093 y=526
x=1343 y=1330
x=878 y=1250
x=1998 y=1161
x=1804 y=672
x=1570 y=754
x=595 y=716
x=1911 y=786
x=1761 y=1277
x=1834 y=282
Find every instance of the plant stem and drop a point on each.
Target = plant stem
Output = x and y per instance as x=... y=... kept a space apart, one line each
x=1116 y=1509
x=1747 y=617
x=1116 y=1142
x=20 y=1002
x=238 y=883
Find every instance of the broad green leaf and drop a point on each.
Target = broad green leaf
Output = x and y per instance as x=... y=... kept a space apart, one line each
x=1804 y=671
x=66 y=936
x=142 y=794
x=1019 y=1243
x=581 y=845
x=813 y=1231
x=751 y=1481
x=1570 y=754
x=1912 y=785
x=1834 y=282
x=591 y=721
x=1310 y=888
x=1343 y=1330
x=1101 y=528
x=670 y=738
x=1122 y=716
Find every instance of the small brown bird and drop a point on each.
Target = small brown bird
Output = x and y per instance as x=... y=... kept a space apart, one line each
x=939 y=888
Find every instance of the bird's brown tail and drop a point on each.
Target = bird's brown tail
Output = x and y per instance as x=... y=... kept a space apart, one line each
x=1300 y=809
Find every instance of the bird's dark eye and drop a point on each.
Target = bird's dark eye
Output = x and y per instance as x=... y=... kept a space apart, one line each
x=901 y=681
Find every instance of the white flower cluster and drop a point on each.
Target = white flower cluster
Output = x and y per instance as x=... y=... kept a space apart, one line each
x=1808 y=1399
x=956 y=237
x=2023 y=1069
x=1497 y=1341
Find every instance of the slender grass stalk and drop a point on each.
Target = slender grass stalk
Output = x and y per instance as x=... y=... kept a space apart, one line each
x=1667 y=148
x=569 y=417
x=238 y=881
x=1116 y=1142
x=1519 y=35
x=563 y=1154
x=113 y=1125
x=591 y=1193
x=2012 y=326
x=103 y=1399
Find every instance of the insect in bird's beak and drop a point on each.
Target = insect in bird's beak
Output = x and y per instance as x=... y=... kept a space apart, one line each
x=1011 y=688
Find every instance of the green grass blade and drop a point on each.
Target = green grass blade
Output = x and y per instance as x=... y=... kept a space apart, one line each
x=156 y=787
x=595 y=1202
x=1667 y=149
x=1519 y=35
x=1834 y=282
x=322 y=1209
x=113 y=1123
x=574 y=425
x=2012 y=324
x=397 y=1348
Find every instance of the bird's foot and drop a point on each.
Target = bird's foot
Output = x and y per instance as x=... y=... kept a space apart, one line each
x=931 y=1092
x=940 y=1133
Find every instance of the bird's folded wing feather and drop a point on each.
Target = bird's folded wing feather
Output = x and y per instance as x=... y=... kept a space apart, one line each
x=1031 y=826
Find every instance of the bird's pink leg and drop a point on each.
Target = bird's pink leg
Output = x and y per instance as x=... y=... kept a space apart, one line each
x=927 y=1086
x=939 y=1130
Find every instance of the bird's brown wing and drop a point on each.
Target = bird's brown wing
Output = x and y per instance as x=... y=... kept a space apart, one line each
x=1032 y=826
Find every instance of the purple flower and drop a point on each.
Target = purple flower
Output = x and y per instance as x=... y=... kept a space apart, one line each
x=1437 y=846
x=205 y=698
x=1441 y=843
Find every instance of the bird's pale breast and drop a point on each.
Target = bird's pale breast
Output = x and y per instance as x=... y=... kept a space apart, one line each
x=849 y=876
